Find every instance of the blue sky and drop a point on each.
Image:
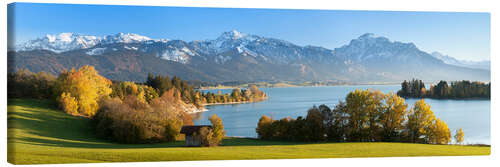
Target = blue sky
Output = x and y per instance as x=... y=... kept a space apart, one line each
x=464 y=36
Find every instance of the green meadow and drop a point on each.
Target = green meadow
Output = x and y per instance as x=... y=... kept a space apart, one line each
x=39 y=133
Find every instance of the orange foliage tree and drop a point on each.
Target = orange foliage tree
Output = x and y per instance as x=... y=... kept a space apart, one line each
x=85 y=87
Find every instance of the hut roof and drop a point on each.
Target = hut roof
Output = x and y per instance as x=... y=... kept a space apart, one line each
x=189 y=130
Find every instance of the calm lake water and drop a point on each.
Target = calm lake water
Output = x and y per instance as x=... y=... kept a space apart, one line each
x=241 y=119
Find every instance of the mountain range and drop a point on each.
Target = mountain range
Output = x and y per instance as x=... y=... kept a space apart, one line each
x=236 y=56
x=485 y=64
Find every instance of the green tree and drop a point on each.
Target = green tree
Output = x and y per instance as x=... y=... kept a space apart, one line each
x=264 y=129
x=339 y=126
x=314 y=123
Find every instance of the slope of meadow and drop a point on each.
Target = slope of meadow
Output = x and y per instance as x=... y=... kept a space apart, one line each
x=38 y=133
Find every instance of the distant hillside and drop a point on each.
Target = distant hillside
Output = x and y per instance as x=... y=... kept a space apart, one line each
x=236 y=56
x=485 y=65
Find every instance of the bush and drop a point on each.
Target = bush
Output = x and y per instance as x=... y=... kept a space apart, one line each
x=68 y=103
x=205 y=136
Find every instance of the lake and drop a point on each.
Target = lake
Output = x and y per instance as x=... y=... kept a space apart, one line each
x=241 y=119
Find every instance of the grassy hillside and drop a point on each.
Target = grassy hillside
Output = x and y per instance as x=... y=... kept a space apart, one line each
x=38 y=133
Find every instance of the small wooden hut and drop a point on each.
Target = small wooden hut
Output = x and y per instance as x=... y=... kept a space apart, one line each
x=190 y=139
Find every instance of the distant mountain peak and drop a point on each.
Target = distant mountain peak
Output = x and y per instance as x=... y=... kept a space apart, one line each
x=367 y=36
x=125 y=38
x=463 y=63
x=239 y=56
x=234 y=34
x=67 y=41
x=60 y=42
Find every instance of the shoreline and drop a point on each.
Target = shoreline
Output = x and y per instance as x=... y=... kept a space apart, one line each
x=291 y=86
x=194 y=110
x=239 y=102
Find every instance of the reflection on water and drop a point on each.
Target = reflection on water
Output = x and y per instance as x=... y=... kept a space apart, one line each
x=241 y=119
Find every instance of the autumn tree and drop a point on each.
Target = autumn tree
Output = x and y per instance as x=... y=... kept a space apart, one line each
x=68 y=103
x=459 y=136
x=393 y=117
x=440 y=133
x=264 y=129
x=135 y=121
x=218 y=132
x=420 y=122
x=86 y=86
x=236 y=94
x=363 y=107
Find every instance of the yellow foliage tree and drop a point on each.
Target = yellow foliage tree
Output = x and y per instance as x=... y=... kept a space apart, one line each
x=86 y=86
x=420 y=121
x=393 y=116
x=217 y=130
x=364 y=110
x=459 y=136
x=440 y=133
x=68 y=103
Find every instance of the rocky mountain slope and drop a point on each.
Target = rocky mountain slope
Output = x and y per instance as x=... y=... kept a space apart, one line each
x=236 y=56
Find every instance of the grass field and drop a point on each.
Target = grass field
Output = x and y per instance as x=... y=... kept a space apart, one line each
x=40 y=134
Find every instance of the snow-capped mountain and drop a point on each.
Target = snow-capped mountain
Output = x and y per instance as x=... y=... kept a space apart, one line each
x=237 y=56
x=124 y=38
x=60 y=43
x=463 y=63
x=64 y=42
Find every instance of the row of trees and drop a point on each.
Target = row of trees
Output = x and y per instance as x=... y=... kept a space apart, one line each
x=251 y=94
x=191 y=96
x=26 y=84
x=456 y=90
x=365 y=116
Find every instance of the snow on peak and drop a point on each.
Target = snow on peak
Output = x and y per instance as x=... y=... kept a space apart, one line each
x=367 y=36
x=181 y=55
x=60 y=42
x=96 y=51
x=234 y=34
x=71 y=41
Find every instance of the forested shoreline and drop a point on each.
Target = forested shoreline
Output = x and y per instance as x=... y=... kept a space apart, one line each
x=364 y=116
x=455 y=90
x=123 y=111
